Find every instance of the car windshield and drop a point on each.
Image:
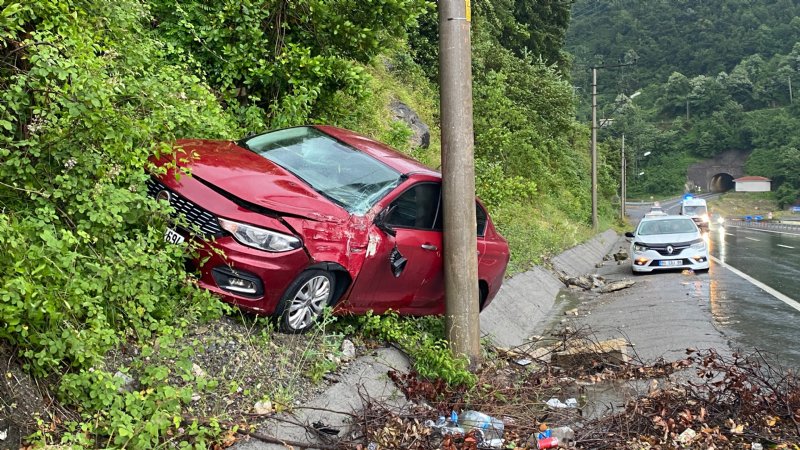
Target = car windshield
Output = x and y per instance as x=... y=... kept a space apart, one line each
x=351 y=178
x=667 y=226
x=694 y=210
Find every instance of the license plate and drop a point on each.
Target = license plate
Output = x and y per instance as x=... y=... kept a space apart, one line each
x=675 y=262
x=172 y=236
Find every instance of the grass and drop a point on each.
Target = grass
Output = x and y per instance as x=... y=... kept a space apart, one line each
x=740 y=204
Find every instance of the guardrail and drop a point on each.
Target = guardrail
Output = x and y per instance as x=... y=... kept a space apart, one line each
x=775 y=225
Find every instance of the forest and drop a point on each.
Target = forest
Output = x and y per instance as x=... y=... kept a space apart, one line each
x=714 y=76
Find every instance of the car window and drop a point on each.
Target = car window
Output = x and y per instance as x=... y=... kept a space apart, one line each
x=420 y=207
x=694 y=210
x=667 y=226
x=349 y=177
x=417 y=207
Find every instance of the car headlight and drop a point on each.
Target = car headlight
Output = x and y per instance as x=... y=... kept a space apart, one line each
x=639 y=248
x=700 y=245
x=704 y=218
x=260 y=238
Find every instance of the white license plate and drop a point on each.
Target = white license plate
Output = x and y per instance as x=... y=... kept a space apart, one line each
x=172 y=236
x=675 y=262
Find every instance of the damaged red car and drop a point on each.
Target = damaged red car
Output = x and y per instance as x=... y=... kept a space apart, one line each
x=295 y=220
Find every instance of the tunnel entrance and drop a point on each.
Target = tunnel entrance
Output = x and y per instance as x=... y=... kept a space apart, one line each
x=722 y=182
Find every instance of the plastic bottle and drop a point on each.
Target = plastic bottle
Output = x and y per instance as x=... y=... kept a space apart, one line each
x=490 y=427
x=446 y=426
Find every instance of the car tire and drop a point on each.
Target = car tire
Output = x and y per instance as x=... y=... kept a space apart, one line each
x=305 y=300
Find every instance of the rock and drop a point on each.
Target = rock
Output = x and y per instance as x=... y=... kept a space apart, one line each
x=348 y=350
x=128 y=383
x=598 y=265
x=597 y=281
x=582 y=282
x=621 y=255
x=616 y=286
x=262 y=407
x=198 y=371
x=421 y=132
x=571 y=312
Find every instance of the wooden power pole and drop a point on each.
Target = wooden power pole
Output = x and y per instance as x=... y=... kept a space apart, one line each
x=458 y=180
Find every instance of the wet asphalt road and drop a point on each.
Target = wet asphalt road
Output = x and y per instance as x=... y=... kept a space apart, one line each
x=665 y=313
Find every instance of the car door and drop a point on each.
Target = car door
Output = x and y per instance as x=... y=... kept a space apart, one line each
x=404 y=272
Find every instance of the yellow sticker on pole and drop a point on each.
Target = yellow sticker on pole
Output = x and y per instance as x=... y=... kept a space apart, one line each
x=469 y=11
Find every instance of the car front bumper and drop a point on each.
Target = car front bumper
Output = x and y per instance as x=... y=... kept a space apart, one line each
x=651 y=260
x=249 y=278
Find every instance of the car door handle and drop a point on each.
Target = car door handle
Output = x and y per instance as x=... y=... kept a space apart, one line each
x=430 y=247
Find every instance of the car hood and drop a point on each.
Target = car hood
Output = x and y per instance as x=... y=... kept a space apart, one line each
x=254 y=179
x=668 y=238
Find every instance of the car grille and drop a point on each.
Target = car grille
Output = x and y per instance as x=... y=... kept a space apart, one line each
x=662 y=248
x=195 y=215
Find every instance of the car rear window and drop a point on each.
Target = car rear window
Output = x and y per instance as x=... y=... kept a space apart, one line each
x=349 y=177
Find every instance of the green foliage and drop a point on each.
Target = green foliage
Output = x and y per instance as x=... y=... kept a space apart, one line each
x=87 y=95
x=144 y=414
x=494 y=187
x=286 y=60
x=86 y=104
x=423 y=340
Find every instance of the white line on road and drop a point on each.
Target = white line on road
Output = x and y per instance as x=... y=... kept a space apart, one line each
x=752 y=239
x=784 y=246
x=730 y=234
x=780 y=296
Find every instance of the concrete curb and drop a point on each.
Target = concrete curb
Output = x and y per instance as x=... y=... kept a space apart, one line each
x=366 y=376
x=526 y=299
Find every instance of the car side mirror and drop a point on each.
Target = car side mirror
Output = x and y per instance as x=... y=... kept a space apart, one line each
x=629 y=234
x=380 y=221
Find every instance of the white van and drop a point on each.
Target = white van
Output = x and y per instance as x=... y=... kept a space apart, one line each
x=697 y=209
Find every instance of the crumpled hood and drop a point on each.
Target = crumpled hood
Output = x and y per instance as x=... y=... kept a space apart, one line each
x=254 y=179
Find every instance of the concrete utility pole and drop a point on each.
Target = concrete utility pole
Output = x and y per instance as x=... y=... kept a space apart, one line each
x=458 y=180
x=594 y=137
x=594 y=149
x=622 y=186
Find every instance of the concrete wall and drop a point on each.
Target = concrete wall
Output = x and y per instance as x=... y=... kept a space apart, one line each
x=525 y=300
x=753 y=186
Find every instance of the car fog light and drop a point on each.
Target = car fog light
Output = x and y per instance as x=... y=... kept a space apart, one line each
x=240 y=285
x=699 y=258
x=641 y=261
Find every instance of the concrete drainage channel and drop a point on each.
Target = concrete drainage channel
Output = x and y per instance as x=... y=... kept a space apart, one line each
x=521 y=309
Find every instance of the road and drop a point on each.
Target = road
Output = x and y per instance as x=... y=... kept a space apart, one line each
x=755 y=286
x=748 y=302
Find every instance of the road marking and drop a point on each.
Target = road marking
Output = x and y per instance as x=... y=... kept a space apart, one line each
x=752 y=239
x=780 y=296
x=730 y=234
x=785 y=246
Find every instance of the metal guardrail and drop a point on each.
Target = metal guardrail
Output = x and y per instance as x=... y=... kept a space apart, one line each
x=775 y=225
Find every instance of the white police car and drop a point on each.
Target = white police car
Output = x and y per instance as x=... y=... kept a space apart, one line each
x=667 y=242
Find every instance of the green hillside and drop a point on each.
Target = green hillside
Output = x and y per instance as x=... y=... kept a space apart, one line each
x=714 y=76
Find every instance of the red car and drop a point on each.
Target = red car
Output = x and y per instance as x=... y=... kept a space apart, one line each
x=294 y=220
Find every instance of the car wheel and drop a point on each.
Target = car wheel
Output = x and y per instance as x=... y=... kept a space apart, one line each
x=305 y=300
